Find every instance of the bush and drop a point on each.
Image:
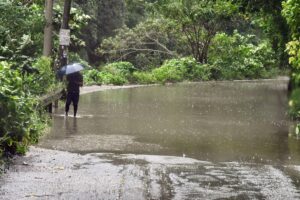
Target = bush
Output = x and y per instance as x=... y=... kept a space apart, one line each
x=168 y=73
x=144 y=77
x=108 y=78
x=92 y=77
x=200 y=72
x=238 y=57
x=124 y=69
x=117 y=73
x=43 y=81
x=294 y=104
x=175 y=70
x=20 y=121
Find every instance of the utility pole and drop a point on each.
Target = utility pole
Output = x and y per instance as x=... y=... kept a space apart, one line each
x=65 y=34
x=64 y=37
x=47 y=48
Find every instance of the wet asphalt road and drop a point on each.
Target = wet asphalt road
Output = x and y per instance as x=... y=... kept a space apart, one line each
x=50 y=174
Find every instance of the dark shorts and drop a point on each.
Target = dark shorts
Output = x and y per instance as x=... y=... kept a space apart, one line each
x=72 y=97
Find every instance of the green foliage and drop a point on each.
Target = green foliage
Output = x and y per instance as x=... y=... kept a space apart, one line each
x=238 y=57
x=106 y=17
x=169 y=73
x=92 y=77
x=115 y=79
x=199 y=20
x=293 y=48
x=135 y=12
x=200 y=72
x=118 y=73
x=78 y=20
x=294 y=104
x=22 y=25
x=291 y=11
x=242 y=60
x=20 y=30
x=176 y=70
x=266 y=14
x=144 y=77
x=20 y=121
x=146 y=45
x=43 y=81
x=120 y=68
x=267 y=6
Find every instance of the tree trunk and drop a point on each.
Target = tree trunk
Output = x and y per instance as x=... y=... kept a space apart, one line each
x=63 y=50
x=66 y=14
x=48 y=28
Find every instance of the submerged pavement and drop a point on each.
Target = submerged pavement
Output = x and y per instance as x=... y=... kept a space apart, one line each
x=50 y=174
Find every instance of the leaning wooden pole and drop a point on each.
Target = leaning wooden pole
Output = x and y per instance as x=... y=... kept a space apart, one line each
x=47 y=48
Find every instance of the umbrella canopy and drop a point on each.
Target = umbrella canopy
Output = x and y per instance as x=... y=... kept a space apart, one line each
x=70 y=69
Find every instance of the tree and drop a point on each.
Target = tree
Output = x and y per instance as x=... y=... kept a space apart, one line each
x=136 y=11
x=147 y=45
x=106 y=17
x=200 y=20
x=20 y=31
x=48 y=28
x=267 y=15
x=291 y=12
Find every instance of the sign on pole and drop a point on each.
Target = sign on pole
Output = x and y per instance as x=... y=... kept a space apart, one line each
x=64 y=37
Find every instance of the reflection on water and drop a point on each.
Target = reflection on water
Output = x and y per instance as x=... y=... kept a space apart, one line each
x=215 y=121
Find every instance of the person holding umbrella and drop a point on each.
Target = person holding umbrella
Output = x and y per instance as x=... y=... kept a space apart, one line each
x=74 y=81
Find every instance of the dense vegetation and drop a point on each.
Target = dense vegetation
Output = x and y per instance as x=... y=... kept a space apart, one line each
x=141 y=41
x=225 y=41
x=24 y=74
x=291 y=11
x=21 y=117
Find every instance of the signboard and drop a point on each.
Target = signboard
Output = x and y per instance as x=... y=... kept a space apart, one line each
x=64 y=37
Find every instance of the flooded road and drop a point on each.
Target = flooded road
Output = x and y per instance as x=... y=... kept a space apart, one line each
x=213 y=121
x=212 y=140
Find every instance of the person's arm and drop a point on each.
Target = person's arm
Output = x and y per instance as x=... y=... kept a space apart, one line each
x=80 y=82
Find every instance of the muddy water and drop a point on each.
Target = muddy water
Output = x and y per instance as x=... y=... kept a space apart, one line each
x=214 y=121
x=213 y=140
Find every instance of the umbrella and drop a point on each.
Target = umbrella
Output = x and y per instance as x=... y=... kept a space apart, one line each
x=70 y=69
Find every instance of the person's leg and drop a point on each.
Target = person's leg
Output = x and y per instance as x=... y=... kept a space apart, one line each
x=68 y=102
x=75 y=102
x=75 y=110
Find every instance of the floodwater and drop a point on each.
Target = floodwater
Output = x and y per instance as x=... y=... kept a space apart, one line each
x=213 y=121
x=211 y=140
